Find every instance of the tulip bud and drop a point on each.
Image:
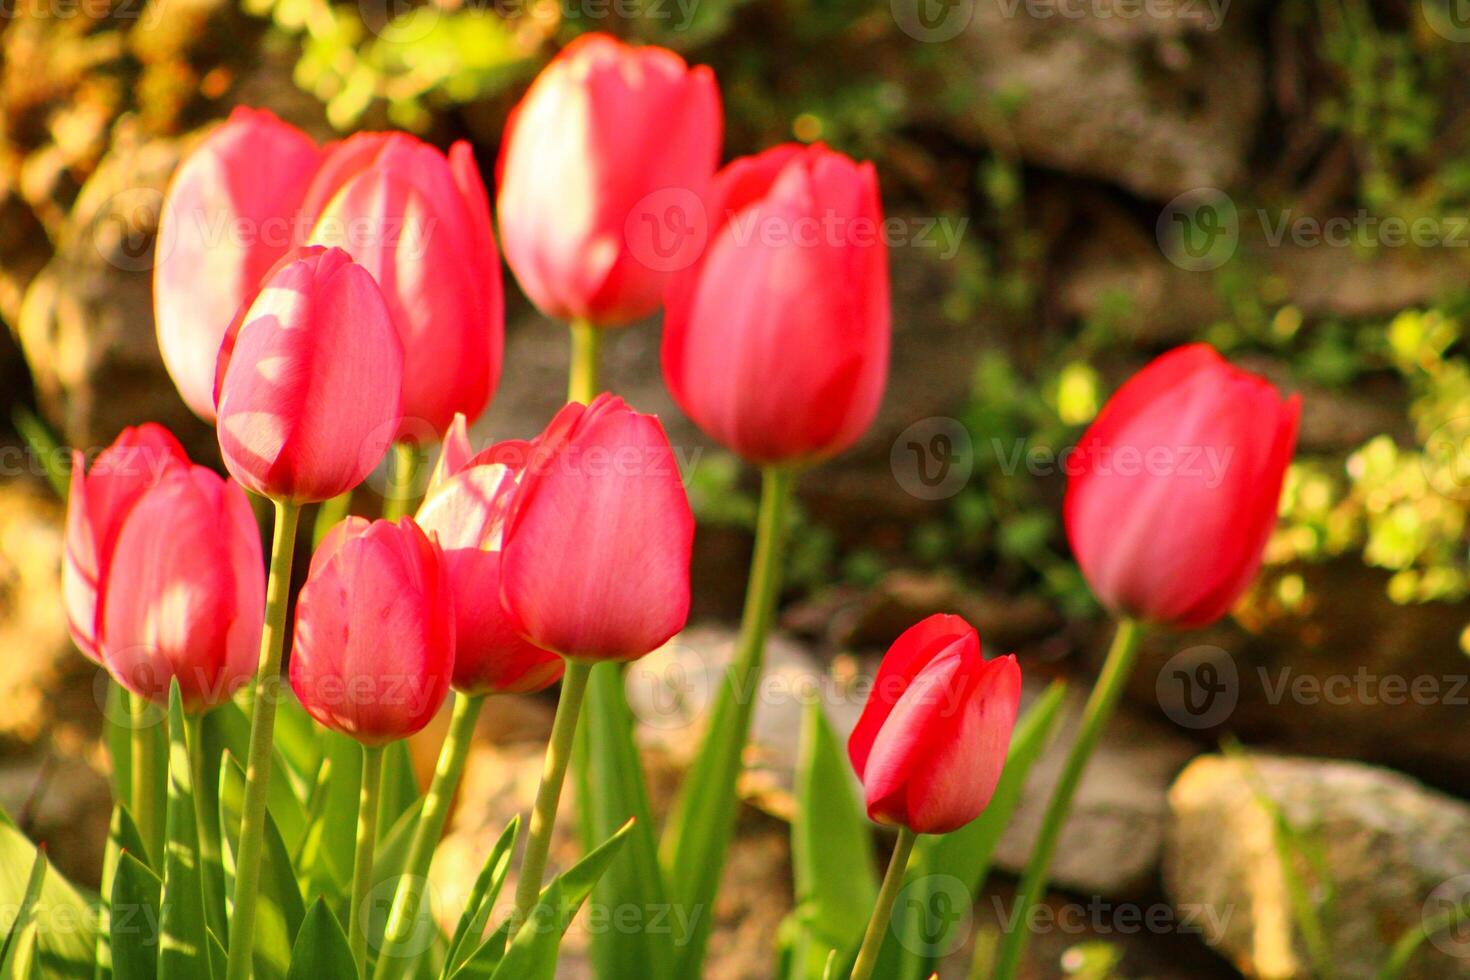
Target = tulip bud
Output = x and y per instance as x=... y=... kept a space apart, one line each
x=183 y=591
x=374 y=631
x=602 y=166
x=931 y=742
x=309 y=380
x=1174 y=488
x=419 y=222
x=231 y=212
x=96 y=505
x=597 y=544
x=776 y=339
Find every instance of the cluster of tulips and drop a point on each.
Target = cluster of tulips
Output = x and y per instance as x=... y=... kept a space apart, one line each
x=364 y=312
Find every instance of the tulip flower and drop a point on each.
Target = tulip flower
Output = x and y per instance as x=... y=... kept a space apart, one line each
x=419 y=222
x=776 y=339
x=182 y=591
x=309 y=380
x=601 y=169
x=232 y=210
x=1174 y=488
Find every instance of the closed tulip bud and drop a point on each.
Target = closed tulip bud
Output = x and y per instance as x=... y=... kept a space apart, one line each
x=776 y=339
x=374 y=631
x=419 y=222
x=931 y=742
x=183 y=591
x=96 y=505
x=601 y=170
x=231 y=212
x=309 y=380
x=1174 y=488
x=597 y=544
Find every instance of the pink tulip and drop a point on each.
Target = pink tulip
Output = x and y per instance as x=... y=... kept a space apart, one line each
x=597 y=544
x=1173 y=490
x=601 y=169
x=96 y=506
x=776 y=339
x=466 y=512
x=420 y=223
x=309 y=381
x=374 y=631
x=231 y=212
x=931 y=742
x=183 y=591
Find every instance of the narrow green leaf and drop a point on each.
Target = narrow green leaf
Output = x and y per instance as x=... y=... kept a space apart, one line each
x=10 y=951
x=279 y=910
x=122 y=835
x=482 y=897
x=321 y=951
x=134 y=920
x=389 y=858
x=120 y=726
x=184 y=954
x=66 y=923
x=21 y=961
x=533 y=953
x=46 y=448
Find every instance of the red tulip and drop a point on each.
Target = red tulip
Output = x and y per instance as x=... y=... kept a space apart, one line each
x=776 y=339
x=96 y=506
x=183 y=591
x=466 y=512
x=1173 y=490
x=597 y=544
x=932 y=739
x=231 y=212
x=309 y=380
x=374 y=631
x=420 y=223
x=601 y=169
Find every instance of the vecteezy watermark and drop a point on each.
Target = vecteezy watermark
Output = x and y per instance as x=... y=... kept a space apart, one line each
x=933 y=458
x=1199 y=230
x=1446 y=458
x=1206 y=465
x=1445 y=917
x=1207 y=15
x=932 y=21
x=1199 y=687
x=90 y=10
x=1099 y=916
x=932 y=915
x=1450 y=19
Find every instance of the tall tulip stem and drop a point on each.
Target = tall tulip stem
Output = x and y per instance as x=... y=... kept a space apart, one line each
x=447 y=773
x=147 y=780
x=867 y=957
x=362 y=860
x=262 y=731
x=548 y=796
x=582 y=382
x=1117 y=668
x=403 y=489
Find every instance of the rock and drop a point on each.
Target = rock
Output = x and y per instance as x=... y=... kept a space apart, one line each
x=1396 y=853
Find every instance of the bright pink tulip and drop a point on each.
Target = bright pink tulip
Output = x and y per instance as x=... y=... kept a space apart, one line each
x=601 y=170
x=96 y=506
x=776 y=339
x=232 y=210
x=466 y=512
x=420 y=223
x=374 y=631
x=597 y=544
x=183 y=591
x=309 y=382
x=932 y=739
x=1173 y=490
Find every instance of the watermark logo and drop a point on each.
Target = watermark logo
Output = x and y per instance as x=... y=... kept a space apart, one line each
x=1446 y=917
x=1450 y=19
x=940 y=910
x=124 y=229
x=933 y=458
x=667 y=689
x=1446 y=458
x=932 y=21
x=1199 y=687
x=1199 y=230
x=667 y=230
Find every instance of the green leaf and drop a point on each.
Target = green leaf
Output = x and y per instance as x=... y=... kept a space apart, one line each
x=134 y=920
x=482 y=897
x=66 y=927
x=279 y=909
x=389 y=858
x=184 y=954
x=122 y=835
x=18 y=950
x=45 y=447
x=321 y=951
x=20 y=961
x=121 y=727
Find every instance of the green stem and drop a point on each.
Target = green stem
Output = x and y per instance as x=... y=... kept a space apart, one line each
x=329 y=514
x=586 y=350
x=147 y=778
x=403 y=490
x=553 y=774
x=410 y=893
x=867 y=957
x=264 y=699
x=1122 y=655
x=362 y=861
x=207 y=828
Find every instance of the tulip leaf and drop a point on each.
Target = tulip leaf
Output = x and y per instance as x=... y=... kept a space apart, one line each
x=17 y=952
x=228 y=728
x=66 y=936
x=279 y=909
x=20 y=954
x=134 y=920
x=389 y=860
x=122 y=835
x=482 y=897
x=184 y=953
x=321 y=951
x=122 y=728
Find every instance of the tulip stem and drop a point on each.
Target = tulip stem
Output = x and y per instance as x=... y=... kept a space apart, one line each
x=553 y=774
x=1101 y=703
x=264 y=699
x=403 y=490
x=582 y=380
x=146 y=778
x=410 y=893
x=867 y=957
x=362 y=861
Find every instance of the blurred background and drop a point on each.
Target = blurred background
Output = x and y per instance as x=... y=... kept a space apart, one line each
x=1076 y=186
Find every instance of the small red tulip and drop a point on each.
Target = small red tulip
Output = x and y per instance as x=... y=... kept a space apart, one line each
x=601 y=170
x=420 y=223
x=309 y=380
x=183 y=591
x=597 y=544
x=231 y=211
x=776 y=339
x=374 y=631
x=1174 y=488
x=931 y=742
